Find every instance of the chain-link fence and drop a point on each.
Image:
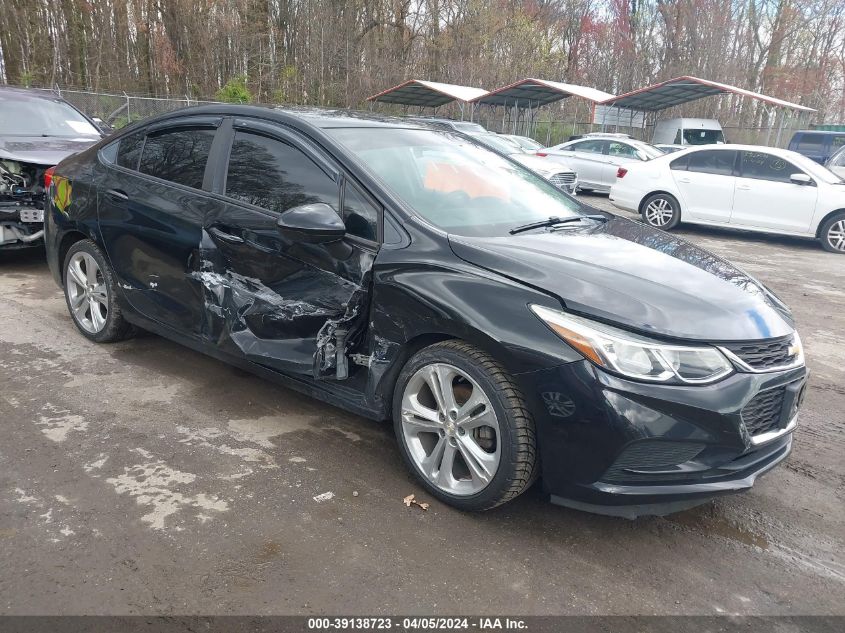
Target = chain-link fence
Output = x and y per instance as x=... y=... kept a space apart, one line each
x=118 y=110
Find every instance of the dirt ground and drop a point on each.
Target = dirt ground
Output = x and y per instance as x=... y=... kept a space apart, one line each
x=143 y=478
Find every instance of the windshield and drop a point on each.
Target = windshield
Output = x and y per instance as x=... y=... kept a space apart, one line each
x=649 y=150
x=838 y=159
x=42 y=117
x=499 y=143
x=454 y=183
x=814 y=169
x=703 y=137
x=528 y=144
x=469 y=128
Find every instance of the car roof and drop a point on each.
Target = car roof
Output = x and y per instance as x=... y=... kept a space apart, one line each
x=776 y=151
x=307 y=117
x=26 y=94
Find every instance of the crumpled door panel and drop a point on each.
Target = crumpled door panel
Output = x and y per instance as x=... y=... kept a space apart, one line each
x=293 y=307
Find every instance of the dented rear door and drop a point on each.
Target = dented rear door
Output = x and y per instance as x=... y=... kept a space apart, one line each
x=296 y=307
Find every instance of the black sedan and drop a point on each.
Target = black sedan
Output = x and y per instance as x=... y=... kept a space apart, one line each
x=410 y=274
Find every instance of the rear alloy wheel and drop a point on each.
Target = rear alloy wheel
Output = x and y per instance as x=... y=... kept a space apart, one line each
x=90 y=294
x=661 y=211
x=463 y=427
x=833 y=234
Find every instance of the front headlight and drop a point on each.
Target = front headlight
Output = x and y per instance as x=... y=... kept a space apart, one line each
x=636 y=356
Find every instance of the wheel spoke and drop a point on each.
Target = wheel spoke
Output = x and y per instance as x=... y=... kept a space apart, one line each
x=81 y=309
x=97 y=318
x=474 y=411
x=99 y=293
x=439 y=379
x=431 y=463
x=76 y=300
x=91 y=270
x=481 y=464
x=423 y=418
x=76 y=274
x=447 y=461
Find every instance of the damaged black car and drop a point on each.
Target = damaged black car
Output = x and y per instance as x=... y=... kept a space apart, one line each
x=409 y=274
x=37 y=131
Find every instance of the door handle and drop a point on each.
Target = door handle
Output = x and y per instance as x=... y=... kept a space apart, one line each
x=225 y=236
x=117 y=195
x=743 y=187
x=685 y=181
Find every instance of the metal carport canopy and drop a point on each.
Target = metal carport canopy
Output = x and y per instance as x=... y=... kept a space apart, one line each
x=685 y=89
x=538 y=92
x=417 y=92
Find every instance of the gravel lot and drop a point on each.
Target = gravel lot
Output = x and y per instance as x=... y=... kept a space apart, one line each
x=143 y=478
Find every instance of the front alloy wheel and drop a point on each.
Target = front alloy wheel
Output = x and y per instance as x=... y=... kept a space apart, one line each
x=464 y=427
x=450 y=429
x=833 y=234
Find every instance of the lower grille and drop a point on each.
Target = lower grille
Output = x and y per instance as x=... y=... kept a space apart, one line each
x=563 y=179
x=763 y=354
x=763 y=412
x=651 y=455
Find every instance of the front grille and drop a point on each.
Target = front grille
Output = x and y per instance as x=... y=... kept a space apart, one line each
x=651 y=455
x=763 y=412
x=763 y=355
x=563 y=179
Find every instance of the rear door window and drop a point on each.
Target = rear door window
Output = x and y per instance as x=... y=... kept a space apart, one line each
x=718 y=162
x=271 y=174
x=764 y=166
x=615 y=148
x=591 y=147
x=178 y=155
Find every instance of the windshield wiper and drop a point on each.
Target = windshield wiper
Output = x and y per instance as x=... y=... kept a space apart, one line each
x=554 y=220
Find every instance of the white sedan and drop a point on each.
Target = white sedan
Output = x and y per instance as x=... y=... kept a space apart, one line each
x=738 y=186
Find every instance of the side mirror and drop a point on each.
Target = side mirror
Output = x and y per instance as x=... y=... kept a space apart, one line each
x=315 y=223
x=801 y=179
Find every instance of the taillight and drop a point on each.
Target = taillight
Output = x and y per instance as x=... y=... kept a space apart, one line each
x=48 y=177
x=541 y=154
x=620 y=173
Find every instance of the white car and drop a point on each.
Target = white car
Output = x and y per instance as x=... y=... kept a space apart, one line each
x=739 y=186
x=595 y=158
x=559 y=174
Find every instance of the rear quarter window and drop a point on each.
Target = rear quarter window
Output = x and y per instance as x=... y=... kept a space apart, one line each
x=129 y=150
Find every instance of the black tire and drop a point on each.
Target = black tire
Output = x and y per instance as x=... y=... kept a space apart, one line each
x=519 y=464
x=658 y=219
x=115 y=328
x=833 y=225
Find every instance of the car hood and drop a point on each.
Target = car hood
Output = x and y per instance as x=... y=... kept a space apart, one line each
x=42 y=150
x=629 y=274
x=540 y=164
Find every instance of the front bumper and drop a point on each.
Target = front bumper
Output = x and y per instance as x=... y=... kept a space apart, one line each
x=620 y=447
x=20 y=226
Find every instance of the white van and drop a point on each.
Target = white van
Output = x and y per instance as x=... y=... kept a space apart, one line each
x=686 y=132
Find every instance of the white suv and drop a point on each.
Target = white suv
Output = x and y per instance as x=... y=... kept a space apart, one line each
x=740 y=186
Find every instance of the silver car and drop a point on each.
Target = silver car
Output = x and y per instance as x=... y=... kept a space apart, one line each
x=597 y=158
x=558 y=173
